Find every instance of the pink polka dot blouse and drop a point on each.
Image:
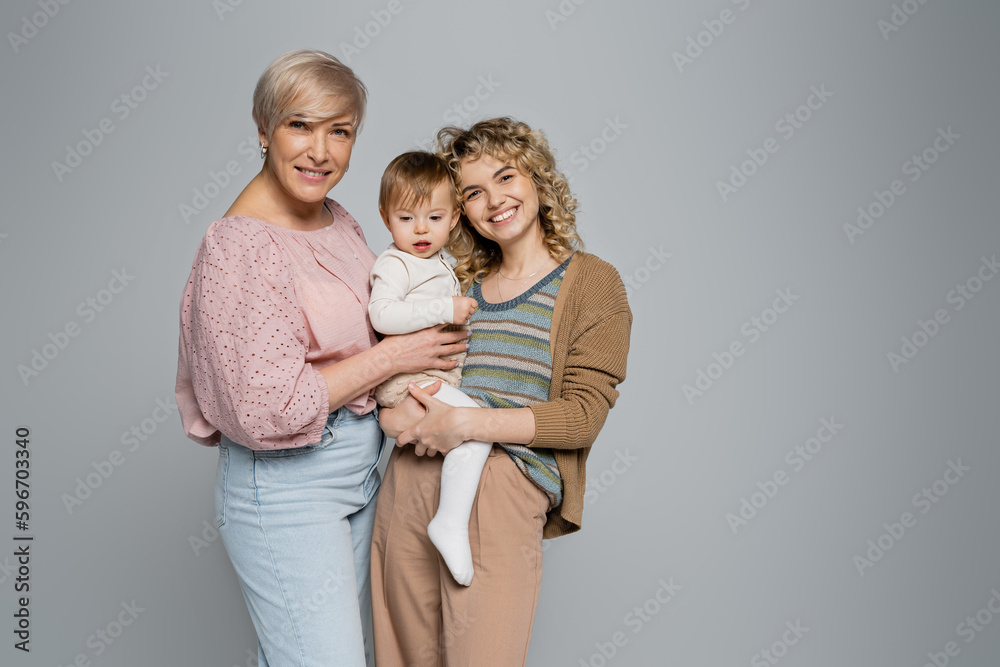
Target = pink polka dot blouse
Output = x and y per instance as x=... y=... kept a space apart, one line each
x=264 y=309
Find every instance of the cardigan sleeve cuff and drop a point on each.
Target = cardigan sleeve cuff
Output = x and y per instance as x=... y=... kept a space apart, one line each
x=553 y=428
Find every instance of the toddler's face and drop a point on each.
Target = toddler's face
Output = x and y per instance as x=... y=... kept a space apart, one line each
x=422 y=229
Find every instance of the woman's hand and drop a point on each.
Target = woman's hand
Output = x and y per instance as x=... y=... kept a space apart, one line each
x=420 y=350
x=405 y=353
x=441 y=429
x=407 y=413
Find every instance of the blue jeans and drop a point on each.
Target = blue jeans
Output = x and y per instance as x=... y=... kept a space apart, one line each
x=297 y=525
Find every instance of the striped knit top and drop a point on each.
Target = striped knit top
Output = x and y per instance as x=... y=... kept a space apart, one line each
x=509 y=365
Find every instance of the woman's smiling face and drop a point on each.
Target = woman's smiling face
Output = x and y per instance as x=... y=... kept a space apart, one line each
x=500 y=200
x=307 y=158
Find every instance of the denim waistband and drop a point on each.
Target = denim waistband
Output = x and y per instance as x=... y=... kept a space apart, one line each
x=333 y=421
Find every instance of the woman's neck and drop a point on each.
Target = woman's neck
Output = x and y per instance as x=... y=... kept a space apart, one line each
x=263 y=198
x=522 y=257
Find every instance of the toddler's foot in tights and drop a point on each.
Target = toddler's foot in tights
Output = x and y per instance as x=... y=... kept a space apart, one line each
x=452 y=541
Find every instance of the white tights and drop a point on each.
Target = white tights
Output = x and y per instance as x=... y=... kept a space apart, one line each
x=463 y=466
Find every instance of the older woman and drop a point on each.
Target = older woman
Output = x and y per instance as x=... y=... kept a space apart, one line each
x=276 y=365
x=549 y=346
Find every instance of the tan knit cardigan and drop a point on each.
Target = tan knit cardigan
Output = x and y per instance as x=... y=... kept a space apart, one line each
x=591 y=324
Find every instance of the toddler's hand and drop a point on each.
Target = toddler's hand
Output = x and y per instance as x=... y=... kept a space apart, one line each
x=464 y=307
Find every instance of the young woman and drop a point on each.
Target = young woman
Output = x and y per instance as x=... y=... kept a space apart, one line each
x=276 y=366
x=548 y=348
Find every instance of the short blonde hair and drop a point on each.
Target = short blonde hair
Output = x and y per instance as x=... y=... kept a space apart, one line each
x=508 y=139
x=311 y=84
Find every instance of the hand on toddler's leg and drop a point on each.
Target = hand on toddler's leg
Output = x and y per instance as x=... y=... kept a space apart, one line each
x=396 y=420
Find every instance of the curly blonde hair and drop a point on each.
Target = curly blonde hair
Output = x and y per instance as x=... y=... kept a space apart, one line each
x=508 y=139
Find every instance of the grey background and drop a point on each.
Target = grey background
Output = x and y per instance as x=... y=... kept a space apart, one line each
x=663 y=515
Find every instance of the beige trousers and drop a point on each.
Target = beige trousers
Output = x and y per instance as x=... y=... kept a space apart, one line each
x=422 y=617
